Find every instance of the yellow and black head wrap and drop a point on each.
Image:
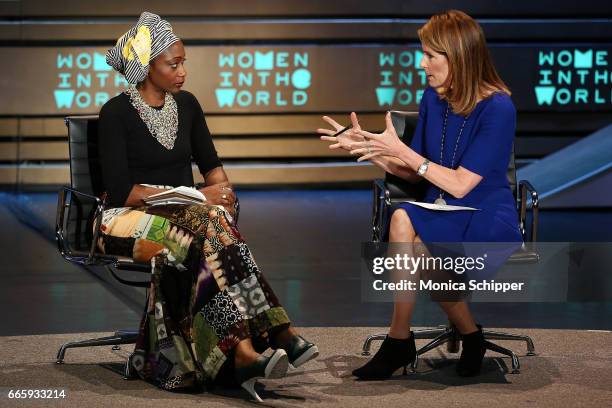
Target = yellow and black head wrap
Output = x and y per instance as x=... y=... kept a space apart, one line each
x=141 y=44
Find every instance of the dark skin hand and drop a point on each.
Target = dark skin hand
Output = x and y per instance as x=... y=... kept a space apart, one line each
x=167 y=74
x=217 y=186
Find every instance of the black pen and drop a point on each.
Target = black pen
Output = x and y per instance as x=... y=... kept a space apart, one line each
x=343 y=130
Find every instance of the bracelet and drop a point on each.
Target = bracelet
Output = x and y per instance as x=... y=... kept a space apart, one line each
x=423 y=168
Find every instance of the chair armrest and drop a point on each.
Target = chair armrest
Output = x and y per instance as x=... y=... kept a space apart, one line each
x=60 y=222
x=381 y=188
x=524 y=188
x=524 y=255
x=380 y=203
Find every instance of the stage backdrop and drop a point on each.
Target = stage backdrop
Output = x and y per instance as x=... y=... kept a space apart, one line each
x=265 y=71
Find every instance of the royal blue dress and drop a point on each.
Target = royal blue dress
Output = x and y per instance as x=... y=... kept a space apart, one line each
x=484 y=148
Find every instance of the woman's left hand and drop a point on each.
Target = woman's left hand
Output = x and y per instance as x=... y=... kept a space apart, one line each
x=386 y=143
x=219 y=194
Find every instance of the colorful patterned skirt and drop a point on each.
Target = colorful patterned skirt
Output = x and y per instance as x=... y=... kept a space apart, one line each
x=206 y=295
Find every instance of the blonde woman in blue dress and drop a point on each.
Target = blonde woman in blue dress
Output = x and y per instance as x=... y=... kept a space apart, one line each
x=461 y=149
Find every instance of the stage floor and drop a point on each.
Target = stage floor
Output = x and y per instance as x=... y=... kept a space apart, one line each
x=571 y=368
x=307 y=242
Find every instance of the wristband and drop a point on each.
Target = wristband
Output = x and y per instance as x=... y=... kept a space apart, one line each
x=423 y=168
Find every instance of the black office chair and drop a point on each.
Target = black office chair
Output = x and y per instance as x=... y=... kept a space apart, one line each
x=391 y=191
x=79 y=208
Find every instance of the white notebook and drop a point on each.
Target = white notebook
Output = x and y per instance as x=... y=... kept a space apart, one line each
x=181 y=195
x=446 y=207
x=178 y=195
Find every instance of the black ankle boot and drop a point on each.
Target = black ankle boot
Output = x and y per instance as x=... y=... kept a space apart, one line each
x=472 y=352
x=393 y=354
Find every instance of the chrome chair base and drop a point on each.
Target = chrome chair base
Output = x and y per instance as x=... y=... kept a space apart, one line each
x=450 y=336
x=116 y=340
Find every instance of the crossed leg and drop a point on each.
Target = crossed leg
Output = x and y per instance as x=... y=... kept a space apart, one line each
x=402 y=230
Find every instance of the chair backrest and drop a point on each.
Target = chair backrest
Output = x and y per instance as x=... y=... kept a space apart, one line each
x=85 y=177
x=405 y=125
x=85 y=170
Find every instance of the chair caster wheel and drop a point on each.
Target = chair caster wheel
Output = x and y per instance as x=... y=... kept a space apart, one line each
x=531 y=353
x=515 y=371
x=365 y=353
x=116 y=348
x=59 y=362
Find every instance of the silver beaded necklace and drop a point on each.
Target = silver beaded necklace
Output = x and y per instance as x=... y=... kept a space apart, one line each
x=440 y=200
x=162 y=123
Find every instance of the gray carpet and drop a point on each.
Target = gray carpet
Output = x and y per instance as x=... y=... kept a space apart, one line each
x=572 y=368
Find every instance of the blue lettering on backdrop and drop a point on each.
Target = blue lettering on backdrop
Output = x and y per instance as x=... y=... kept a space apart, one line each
x=573 y=77
x=263 y=78
x=84 y=81
x=398 y=73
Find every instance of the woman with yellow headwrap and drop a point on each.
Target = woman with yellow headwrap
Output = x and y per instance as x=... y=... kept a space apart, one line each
x=210 y=309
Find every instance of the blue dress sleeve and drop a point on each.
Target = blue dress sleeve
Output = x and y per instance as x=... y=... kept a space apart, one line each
x=418 y=139
x=491 y=145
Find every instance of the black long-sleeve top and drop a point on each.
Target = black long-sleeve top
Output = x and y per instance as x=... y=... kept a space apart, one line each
x=130 y=155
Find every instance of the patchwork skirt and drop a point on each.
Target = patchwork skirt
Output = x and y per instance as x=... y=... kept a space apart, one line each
x=206 y=294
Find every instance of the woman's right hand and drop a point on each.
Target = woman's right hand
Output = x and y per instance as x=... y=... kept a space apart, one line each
x=345 y=140
x=219 y=194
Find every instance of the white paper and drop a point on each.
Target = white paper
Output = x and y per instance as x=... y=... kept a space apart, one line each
x=172 y=201
x=194 y=196
x=446 y=207
x=187 y=191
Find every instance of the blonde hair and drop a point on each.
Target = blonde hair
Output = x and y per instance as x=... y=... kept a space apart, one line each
x=471 y=74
